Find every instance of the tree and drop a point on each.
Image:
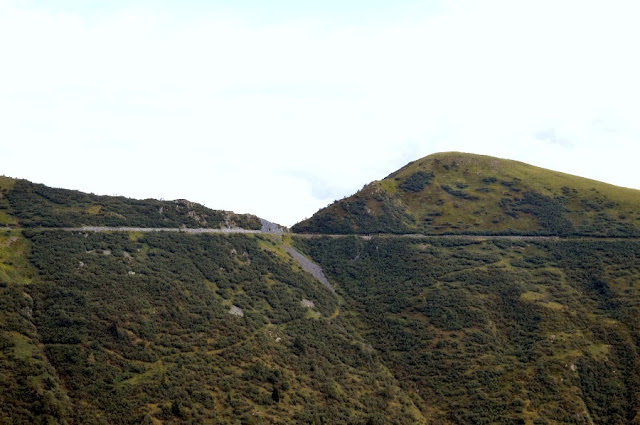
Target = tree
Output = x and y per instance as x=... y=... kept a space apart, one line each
x=275 y=394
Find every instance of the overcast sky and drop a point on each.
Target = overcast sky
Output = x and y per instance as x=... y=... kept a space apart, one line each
x=279 y=107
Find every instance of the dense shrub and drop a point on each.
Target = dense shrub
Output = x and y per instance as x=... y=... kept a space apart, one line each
x=417 y=181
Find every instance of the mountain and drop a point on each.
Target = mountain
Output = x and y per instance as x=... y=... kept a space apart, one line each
x=110 y=315
x=459 y=193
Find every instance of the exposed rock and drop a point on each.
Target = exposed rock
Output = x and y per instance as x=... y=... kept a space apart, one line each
x=310 y=267
x=27 y=311
x=269 y=227
x=306 y=303
x=236 y=311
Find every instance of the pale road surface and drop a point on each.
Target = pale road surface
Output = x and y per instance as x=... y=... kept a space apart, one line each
x=307 y=264
x=277 y=230
x=267 y=227
x=102 y=229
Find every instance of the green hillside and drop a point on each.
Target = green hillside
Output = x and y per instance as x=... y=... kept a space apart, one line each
x=474 y=194
x=497 y=331
x=138 y=328
x=133 y=327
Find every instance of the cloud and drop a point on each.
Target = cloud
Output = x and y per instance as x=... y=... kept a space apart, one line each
x=549 y=136
x=321 y=189
x=605 y=126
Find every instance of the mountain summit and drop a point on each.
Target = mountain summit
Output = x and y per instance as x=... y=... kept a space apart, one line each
x=453 y=192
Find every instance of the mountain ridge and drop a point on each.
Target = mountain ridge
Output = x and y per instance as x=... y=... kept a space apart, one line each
x=461 y=193
x=471 y=194
x=38 y=205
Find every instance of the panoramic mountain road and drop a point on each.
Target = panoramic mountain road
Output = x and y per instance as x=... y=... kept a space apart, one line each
x=276 y=230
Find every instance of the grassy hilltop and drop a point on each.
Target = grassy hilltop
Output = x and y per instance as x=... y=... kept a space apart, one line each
x=473 y=194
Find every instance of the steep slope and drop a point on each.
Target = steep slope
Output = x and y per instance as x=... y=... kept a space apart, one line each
x=474 y=194
x=36 y=205
x=498 y=331
x=31 y=388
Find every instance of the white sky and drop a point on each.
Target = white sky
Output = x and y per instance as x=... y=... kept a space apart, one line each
x=278 y=110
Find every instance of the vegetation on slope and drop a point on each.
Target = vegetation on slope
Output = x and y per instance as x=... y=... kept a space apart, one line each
x=37 y=205
x=31 y=391
x=136 y=328
x=475 y=194
x=139 y=330
x=499 y=331
x=101 y=328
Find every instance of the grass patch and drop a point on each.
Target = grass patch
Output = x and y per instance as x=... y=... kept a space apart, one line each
x=23 y=348
x=6 y=219
x=94 y=209
x=6 y=183
x=553 y=305
x=531 y=296
x=14 y=251
x=153 y=371
x=312 y=314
